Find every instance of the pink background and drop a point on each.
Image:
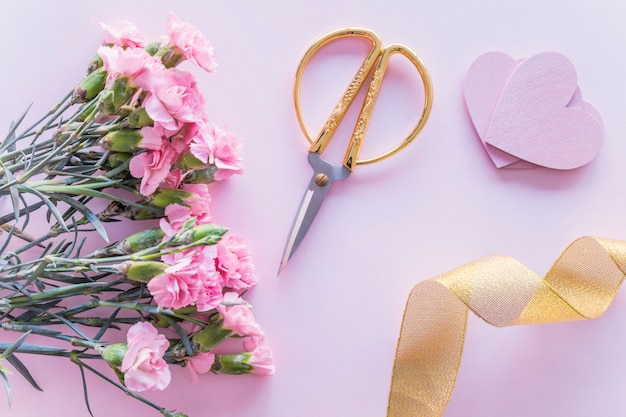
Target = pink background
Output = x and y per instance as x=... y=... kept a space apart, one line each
x=334 y=314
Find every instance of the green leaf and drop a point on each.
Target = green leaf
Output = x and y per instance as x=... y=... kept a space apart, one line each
x=8 y=351
x=36 y=349
x=15 y=196
x=85 y=391
x=21 y=368
x=31 y=314
x=11 y=139
x=180 y=331
x=55 y=293
x=26 y=211
x=7 y=385
x=79 y=190
x=36 y=273
x=107 y=324
x=69 y=324
x=89 y=215
x=7 y=240
x=48 y=203
x=9 y=142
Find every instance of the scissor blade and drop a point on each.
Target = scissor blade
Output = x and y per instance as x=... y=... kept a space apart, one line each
x=309 y=207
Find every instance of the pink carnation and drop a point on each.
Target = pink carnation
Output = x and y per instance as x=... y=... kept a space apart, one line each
x=191 y=43
x=227 y=154
x=134 y=63
x=252 y=342
x=218 y=147
x=200 y=363
x=174 y=99
x=175 y=216
x=237 y=316
x=173 y=179
x=187 y=132
x=211 y=294
x=261 y=359
x=203 y=143
x=143 y=365
x=178 y=287
x=152 y=137
x=191 y=280
x=235 y=263
x=153 y=167
x=199 y=202
x=123 y=33
x=156 y=137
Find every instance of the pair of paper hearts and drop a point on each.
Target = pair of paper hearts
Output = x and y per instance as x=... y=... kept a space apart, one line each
x=530 y=112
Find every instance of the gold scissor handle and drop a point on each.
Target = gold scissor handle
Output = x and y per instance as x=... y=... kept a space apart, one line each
x=378 y=58
x=327 y=131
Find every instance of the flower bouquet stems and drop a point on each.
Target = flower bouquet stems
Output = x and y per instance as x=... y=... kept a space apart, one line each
x=131 y=144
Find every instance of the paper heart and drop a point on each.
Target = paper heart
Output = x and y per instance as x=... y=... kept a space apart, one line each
x=530 y=112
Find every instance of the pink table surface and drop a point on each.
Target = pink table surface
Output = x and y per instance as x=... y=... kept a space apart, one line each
x=334 y=315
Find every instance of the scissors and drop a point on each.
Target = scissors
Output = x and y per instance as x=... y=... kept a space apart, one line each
x=325 y=173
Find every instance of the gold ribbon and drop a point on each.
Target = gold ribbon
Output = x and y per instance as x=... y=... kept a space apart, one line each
x=580 y=285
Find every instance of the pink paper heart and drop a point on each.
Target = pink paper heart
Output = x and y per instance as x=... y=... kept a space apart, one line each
x=530 y=112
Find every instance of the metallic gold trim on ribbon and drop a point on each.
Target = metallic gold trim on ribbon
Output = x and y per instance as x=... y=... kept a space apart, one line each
x=580 y=285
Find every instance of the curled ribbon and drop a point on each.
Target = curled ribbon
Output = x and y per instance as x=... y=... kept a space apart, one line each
x=580 y=285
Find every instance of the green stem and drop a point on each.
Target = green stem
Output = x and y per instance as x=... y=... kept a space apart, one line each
x=143 y=255
x=29 y=245
x=22 y=165
x=53 y=294
x=61 y=186
x=36 y=329
x=78 y=190
x=126 y=391
x=41 y=145
x=46 y=350
x=150 y=309
x=41 y=164
x=53 y=113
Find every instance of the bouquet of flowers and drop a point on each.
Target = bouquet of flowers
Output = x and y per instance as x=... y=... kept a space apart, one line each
x=130 y=143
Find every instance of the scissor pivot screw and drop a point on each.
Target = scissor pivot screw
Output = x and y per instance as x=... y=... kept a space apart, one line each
x=321 y=180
